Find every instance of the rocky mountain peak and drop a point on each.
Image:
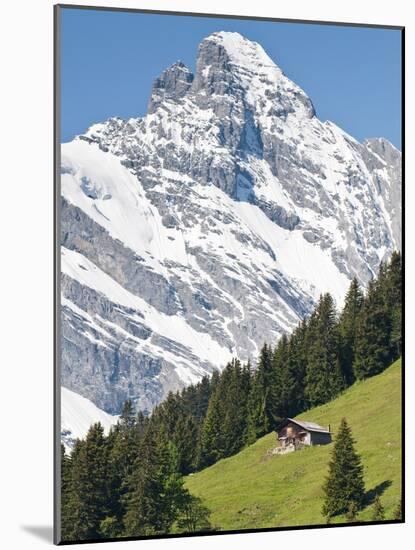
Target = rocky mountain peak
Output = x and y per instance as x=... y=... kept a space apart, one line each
x=228 y=58
x=212 y=225
x=172 y=84
x=228 y=64
x=237 y=49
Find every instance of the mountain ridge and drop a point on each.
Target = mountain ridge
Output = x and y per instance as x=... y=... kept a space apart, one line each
x=222 y=213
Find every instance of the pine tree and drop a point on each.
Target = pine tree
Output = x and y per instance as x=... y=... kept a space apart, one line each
x=245 y=388
x=70 y=499
x=393 y=278
x=373 y=333
x=171 y=479
x=289 y=371
x=297 y=354
x=211 y=437
x=168 y=412
x=262 y=415
x=144 y=495
x=344 y=484
x=66 y=489
x=185 y=439
x=204 y=391
x=348 y=327
x=88 y=501
x=265 y=372
x=378 y=513
x=324 y=378
x=282 y=383
x=211 y=447
x=122 y=444
x=127 y=417
x=393 y=298
x=256 y=418
x=234 y=389
x=396 y=333
x=194 y=516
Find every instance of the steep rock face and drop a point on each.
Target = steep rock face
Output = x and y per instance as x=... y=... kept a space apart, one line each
x=214 y=221
x=171 y=85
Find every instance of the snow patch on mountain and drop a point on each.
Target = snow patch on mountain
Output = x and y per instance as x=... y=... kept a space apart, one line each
x=79 y=268
x=77 y=416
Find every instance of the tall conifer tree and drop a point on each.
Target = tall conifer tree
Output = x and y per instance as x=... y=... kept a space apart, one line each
x=324 y=378
x=372 y=353
x=261 y=405
x=393 y=297
x=211 y=437
x=234 y=394
x=89 y=480
x=282 y=382
x=66 y=490
x=348 y=328
x=344 y=486
x=144 y=497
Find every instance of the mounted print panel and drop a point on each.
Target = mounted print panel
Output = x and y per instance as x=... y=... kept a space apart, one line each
x=228 y=274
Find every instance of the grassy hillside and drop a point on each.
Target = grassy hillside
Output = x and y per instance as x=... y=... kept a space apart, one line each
x=251 y=490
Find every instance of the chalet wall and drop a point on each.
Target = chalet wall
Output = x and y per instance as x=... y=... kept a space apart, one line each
x=320 y=438
x=291 y=430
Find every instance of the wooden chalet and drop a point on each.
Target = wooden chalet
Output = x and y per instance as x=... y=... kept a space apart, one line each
x=297 y=433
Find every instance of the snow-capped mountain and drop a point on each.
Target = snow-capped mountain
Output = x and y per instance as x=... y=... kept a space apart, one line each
x=77 y=416
x=210 y=225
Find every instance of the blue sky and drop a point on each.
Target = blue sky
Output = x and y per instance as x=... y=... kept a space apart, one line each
x=110 y=59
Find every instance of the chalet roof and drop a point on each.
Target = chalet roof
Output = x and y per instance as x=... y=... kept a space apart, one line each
x=309 y=426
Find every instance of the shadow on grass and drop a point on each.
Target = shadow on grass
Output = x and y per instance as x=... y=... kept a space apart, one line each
x=376 y=492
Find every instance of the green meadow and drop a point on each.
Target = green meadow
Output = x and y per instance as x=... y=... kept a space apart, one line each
x=254 y=490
